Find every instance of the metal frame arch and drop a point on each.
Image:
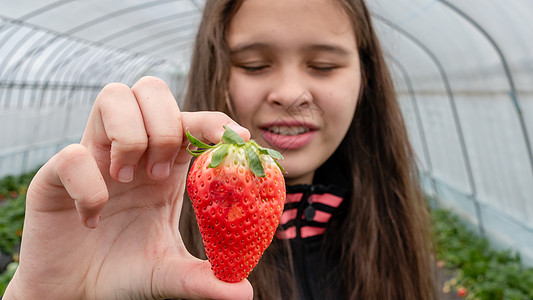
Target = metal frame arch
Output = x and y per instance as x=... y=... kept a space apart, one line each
x=117 y=13
x=57 y=59
x=83 y=65
x=3 y=23
x=198 y=6
x=21 y=21
x=112 y=72
x=442 y=73
x=4 y=42
x=171 y=42
x=139 y=69
x=25 y=68
x=67 y=60
x=14 y=48
x=80 y=27
x=145 y=25
x=31 y=54
x=459 y=130
x=420 y=125
x=41 y=75
x=20 y=62
x=44 y=9
x=513 y=93
x=128 y=69
x=103 y=56
x=75 y=64
x=159 y=35
x=122 y=60
x=53 y=60
x=122 y=67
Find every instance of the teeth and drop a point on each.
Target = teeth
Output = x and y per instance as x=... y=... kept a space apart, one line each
x=288 y=130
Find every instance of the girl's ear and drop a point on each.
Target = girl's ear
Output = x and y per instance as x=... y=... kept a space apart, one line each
x=227 y=99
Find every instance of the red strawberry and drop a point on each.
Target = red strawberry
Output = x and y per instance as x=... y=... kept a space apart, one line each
x=462 y=292
x=238 y=191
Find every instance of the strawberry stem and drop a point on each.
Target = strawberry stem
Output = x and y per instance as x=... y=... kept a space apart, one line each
x=196 y=142
x=219 y=155
x=255 y=163
x=230 y=138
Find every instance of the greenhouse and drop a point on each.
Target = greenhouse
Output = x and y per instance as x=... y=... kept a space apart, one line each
x=462 y=72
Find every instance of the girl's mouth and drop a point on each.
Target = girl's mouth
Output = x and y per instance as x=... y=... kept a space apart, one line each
x=288 y=130
x=288 y=136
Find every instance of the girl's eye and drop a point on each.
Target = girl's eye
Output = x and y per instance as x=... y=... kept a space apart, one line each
x=253 y=68
x=324 y=68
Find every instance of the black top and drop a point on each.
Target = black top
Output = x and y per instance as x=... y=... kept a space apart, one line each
x=307 y=212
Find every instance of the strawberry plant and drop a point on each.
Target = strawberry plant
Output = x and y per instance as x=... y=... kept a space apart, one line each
x=12 y=186
x=238 y=191
x=482 y=271
x=11 y=221
x=6 y=276
x=12 y=208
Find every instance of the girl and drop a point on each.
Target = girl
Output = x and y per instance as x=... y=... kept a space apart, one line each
x=304 y=77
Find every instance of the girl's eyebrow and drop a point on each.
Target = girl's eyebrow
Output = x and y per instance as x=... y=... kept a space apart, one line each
x=243 y=47
x=331 y=48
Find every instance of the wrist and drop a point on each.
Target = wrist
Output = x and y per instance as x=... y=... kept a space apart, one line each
x=20 y=290
x=12 y=292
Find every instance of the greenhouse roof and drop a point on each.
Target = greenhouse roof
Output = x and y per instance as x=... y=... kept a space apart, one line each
x=483 y=43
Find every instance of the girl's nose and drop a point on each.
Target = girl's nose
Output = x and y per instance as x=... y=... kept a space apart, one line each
x=290 y=93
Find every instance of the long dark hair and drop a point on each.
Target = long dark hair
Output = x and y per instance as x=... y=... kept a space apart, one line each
x=381 y=237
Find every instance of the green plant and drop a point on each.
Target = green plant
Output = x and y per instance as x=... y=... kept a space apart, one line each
x=6 y=276
x=484 y=272
x=12 y=208
x=11 y=221
x=12 y=186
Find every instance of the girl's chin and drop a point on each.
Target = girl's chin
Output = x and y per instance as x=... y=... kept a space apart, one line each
x=296 y=176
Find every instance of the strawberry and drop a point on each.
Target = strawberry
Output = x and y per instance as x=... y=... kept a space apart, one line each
x=462 y=292
x=238 y=191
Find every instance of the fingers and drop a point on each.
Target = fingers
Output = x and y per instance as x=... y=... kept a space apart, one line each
x=116 y=124
x=133 y=122
x=75 y=169
x=193 y=279
x=162 y=123
x=127 y=125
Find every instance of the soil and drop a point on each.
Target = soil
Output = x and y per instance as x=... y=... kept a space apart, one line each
x=444 y=274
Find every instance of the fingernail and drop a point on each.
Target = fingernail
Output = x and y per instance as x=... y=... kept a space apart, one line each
x=93 y=222
x=126 y=174
x=161 y=170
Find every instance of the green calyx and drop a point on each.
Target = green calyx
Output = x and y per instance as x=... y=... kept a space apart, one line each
x=230 y=138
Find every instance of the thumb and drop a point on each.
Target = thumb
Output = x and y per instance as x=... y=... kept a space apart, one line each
x=192 y=278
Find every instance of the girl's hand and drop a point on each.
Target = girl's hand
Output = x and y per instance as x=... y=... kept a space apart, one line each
x=102 y=216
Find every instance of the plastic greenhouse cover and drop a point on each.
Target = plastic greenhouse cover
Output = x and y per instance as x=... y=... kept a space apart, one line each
x=463 y=70
x=160 y=28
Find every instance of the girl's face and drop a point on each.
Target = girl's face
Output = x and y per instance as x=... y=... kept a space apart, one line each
x=295 y=79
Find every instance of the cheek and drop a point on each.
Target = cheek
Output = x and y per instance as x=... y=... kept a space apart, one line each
x=243 y=98
x=342 y=107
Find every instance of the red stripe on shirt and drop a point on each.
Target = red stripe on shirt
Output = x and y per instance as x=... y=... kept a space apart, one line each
x=328 y=199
